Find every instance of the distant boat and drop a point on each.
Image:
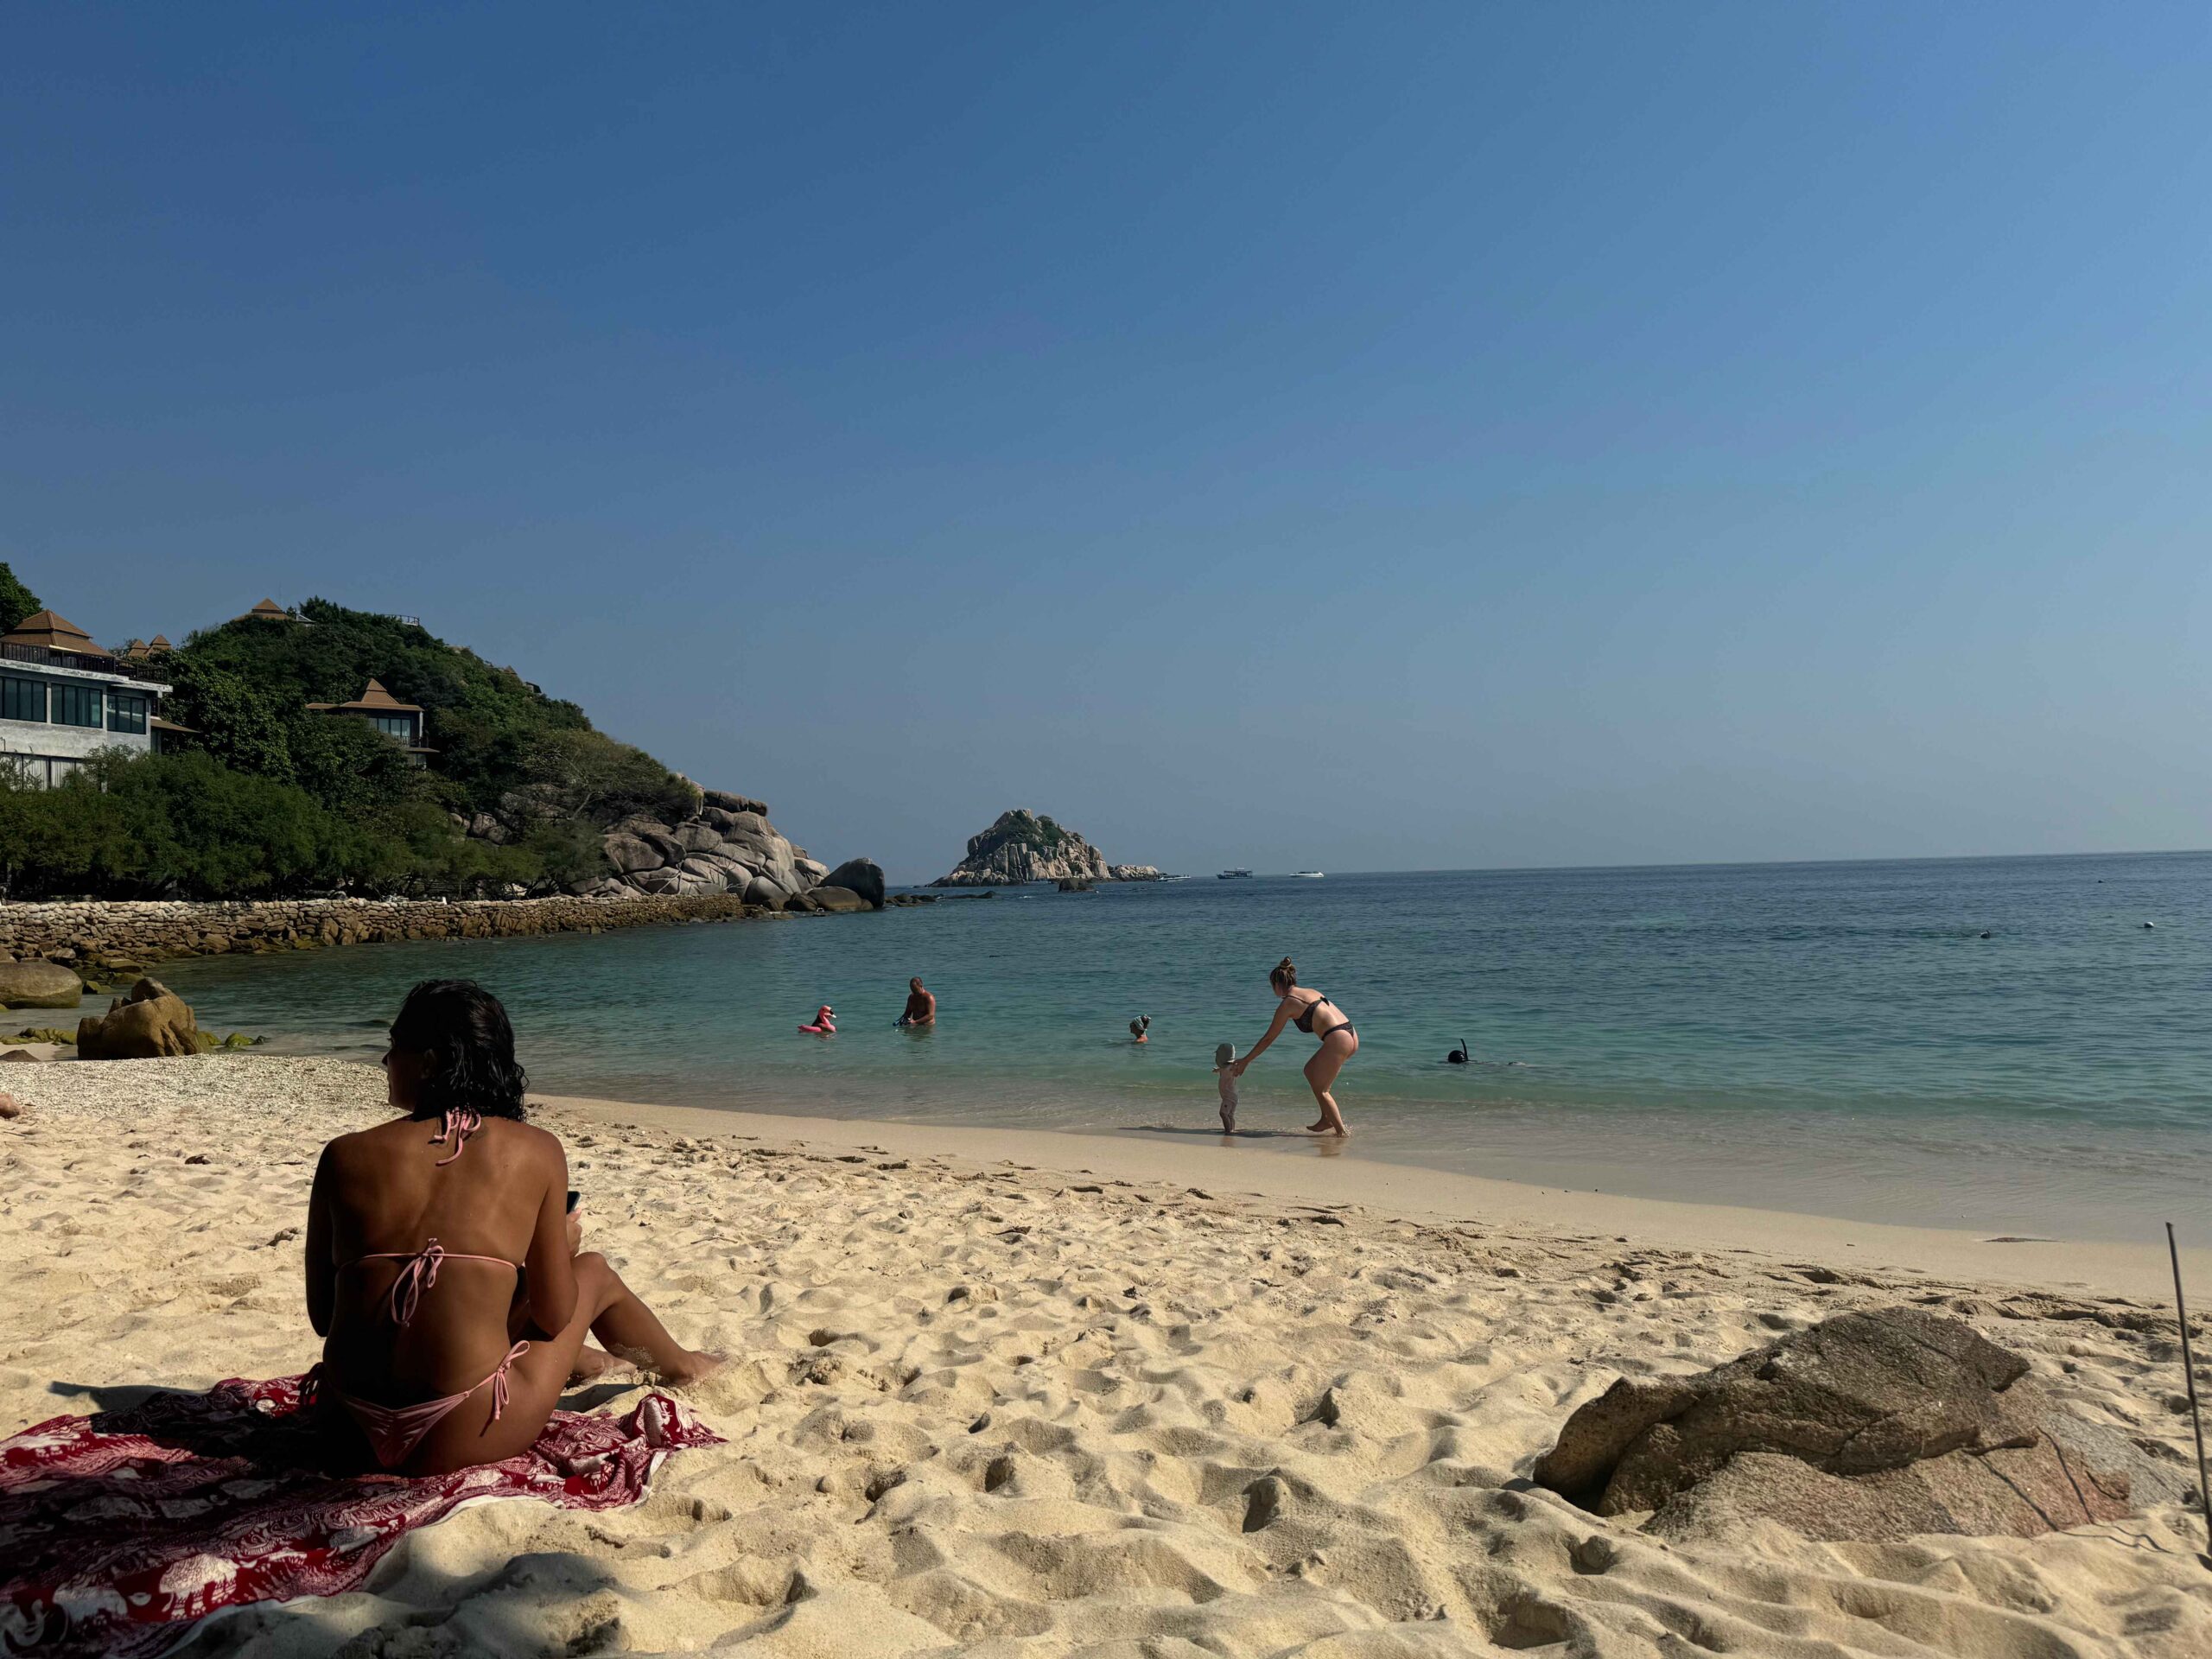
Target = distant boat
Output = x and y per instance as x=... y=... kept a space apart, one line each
x=1233 y=875
x=1308 y=875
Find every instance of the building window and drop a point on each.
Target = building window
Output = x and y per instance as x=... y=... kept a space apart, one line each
x=399 y=725
x=58 y=771
x=22 y=699
x=77 y=705
x=126 y=713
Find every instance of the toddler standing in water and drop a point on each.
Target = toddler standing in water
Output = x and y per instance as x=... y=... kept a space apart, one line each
x=1224 y=1073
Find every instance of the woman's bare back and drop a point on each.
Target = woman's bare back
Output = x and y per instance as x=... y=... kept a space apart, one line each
x=387 y=1195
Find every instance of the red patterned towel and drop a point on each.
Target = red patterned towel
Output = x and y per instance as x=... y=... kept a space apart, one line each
x=117 y=1531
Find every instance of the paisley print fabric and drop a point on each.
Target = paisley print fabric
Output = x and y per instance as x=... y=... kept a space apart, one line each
x=119 y=1531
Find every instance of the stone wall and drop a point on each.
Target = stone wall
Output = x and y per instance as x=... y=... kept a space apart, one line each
x=148 y=932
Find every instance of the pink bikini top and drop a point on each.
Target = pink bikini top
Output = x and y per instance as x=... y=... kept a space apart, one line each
x=421 y=1272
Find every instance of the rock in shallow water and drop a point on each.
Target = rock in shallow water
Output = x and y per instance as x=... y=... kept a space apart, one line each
x=39 y=985
x=153 y=1021
x=860 y=875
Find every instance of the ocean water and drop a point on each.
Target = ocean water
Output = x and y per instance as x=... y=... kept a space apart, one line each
x=1829 y=1039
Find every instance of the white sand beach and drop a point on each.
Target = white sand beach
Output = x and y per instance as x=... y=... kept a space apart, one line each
x=1003 y=1394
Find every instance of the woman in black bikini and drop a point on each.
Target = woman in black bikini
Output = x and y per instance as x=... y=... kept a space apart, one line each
x=1310 y=1012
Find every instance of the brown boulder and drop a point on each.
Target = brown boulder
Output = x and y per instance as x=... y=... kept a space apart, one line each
x=841 y=901
x=151 y=1022
x=1871 y=1425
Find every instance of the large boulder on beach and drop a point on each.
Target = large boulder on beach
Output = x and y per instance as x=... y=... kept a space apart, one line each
x=840 y=901
x=151 y=1022
x=1873 y=1425
x=39 y=985
x=860 y=875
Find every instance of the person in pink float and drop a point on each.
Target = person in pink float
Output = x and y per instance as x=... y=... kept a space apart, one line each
x=825 y=1022
x=435 y=1357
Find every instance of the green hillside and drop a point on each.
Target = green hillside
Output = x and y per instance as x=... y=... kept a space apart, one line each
x=269 y=797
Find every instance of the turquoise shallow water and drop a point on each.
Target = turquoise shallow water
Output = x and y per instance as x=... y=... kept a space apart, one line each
x=1834 y=1039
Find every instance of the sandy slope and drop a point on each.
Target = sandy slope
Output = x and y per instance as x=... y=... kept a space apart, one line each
x=999 y=1410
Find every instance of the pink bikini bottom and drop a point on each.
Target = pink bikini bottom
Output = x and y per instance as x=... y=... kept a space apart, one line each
x=395 y=1432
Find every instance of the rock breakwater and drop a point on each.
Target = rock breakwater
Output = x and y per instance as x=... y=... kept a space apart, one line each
x=95 y=934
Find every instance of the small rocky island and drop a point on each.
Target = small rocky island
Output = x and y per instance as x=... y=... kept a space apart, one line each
x=1023 y=847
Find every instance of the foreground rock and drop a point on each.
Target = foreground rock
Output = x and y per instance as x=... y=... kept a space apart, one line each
x=151 y=1022
x=39 y=985
x=1023 y=847
x=1876 y=1425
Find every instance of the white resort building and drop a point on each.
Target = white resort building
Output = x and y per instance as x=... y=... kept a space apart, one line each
x=62 y=697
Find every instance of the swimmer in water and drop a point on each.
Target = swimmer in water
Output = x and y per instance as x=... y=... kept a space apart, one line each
x=1139 y=1026
x=825 y=1022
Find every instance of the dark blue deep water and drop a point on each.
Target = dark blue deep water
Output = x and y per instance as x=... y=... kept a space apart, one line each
x=1836 y=1039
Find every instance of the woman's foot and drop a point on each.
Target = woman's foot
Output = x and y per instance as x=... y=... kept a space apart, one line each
x=693 y=1366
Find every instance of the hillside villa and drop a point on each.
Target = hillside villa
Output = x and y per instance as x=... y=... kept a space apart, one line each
x=62 y=698
x=402 y=722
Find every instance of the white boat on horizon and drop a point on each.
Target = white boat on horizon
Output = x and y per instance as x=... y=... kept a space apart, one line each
x=1308 y=875
x=1232 y=875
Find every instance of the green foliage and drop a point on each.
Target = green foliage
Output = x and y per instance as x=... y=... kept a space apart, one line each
x=272 y=798
x=349 y=765
x=16 y=601
x=588 y=775
x=240 y=722
x=489 y=726
x=185 y=825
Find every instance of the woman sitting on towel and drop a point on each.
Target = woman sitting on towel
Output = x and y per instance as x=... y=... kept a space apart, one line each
x=442 y=1272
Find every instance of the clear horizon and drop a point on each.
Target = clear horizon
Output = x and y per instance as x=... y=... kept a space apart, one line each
x=1453 y=438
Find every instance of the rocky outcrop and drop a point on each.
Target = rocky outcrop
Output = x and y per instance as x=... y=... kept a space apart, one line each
x=727 y=847
x=150 y=1023
x=859 y=875
x=1875 y=1425
x=39 y=985
x=1135 y=873
x=1023 y=847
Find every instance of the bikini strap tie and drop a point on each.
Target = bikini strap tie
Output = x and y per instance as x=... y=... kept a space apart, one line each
x=455 y=1124
x=498 y=1379
x=421 y=1274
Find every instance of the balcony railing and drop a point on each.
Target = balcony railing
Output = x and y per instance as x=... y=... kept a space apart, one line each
x=96 y=663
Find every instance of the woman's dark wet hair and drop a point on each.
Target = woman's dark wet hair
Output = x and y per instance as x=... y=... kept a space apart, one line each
x=465 y=1031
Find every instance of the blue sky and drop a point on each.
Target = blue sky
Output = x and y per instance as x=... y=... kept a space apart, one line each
x=1362 y=437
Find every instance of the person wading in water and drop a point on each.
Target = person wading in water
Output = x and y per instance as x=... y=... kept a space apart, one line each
x=1310 y=1011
